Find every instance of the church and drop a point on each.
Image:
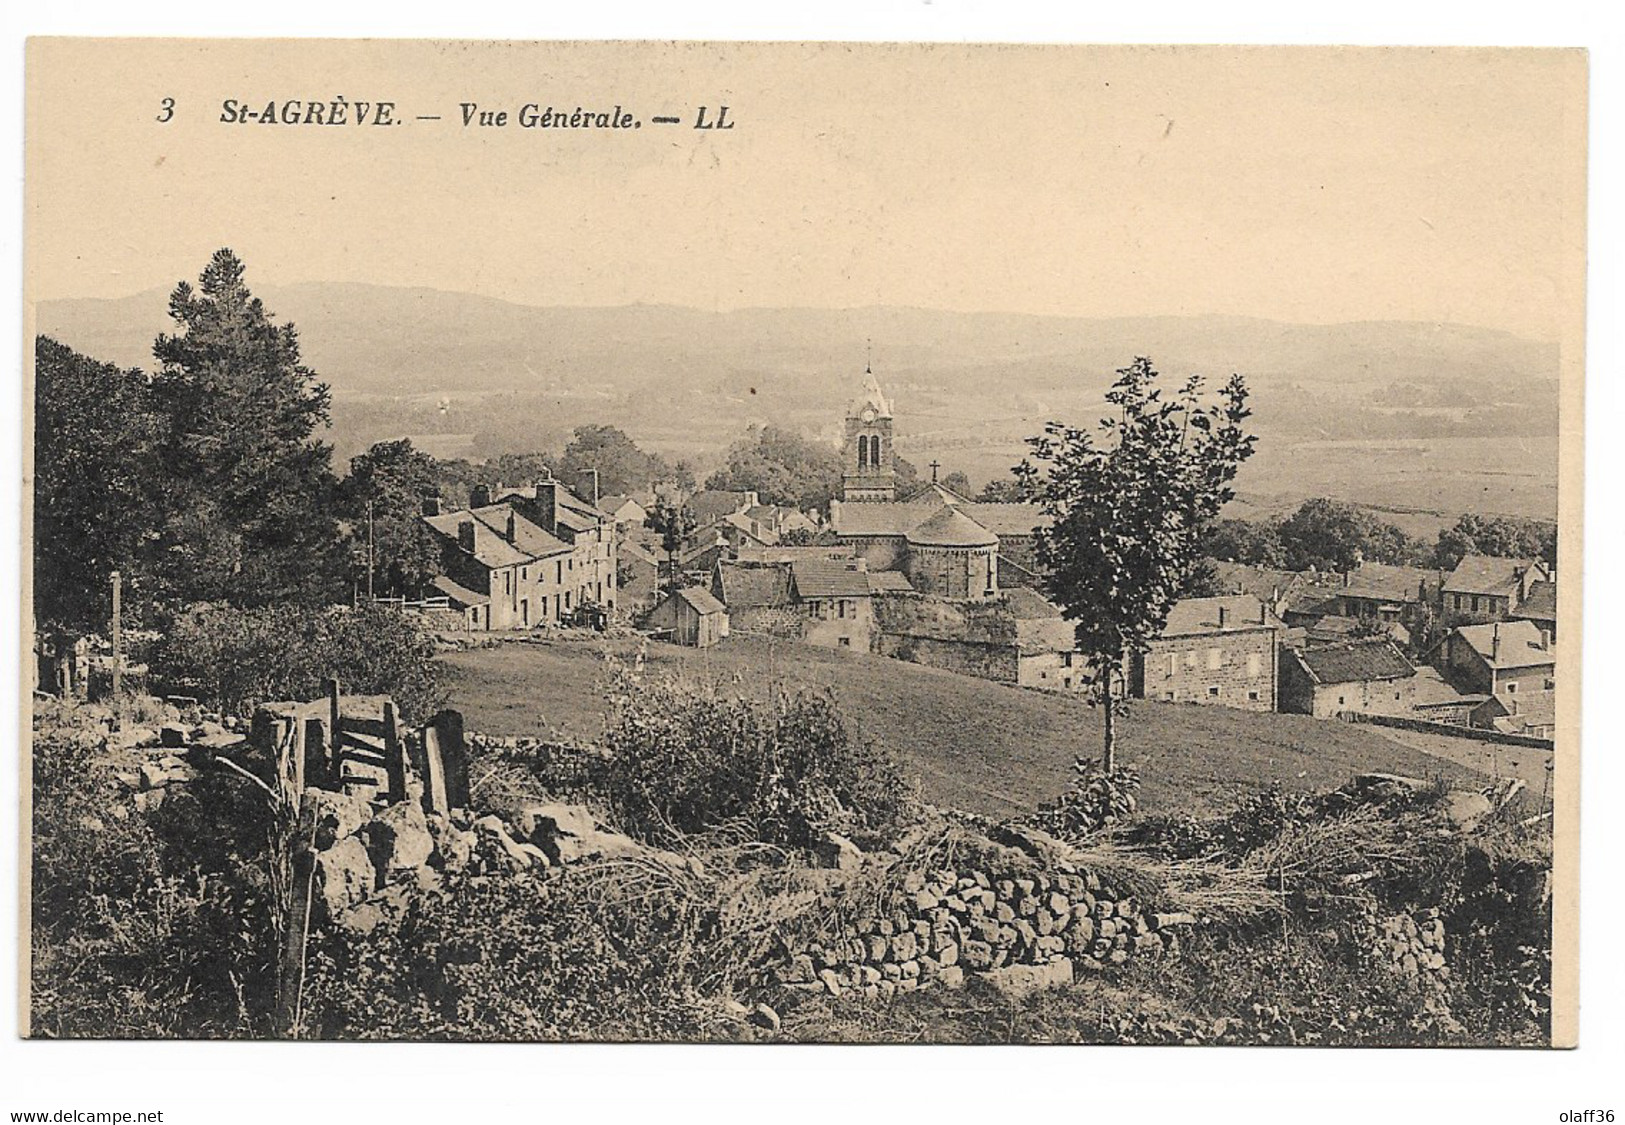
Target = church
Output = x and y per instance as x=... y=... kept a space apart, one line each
x=945 y=544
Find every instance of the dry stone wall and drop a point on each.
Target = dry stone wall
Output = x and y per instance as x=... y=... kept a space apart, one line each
x=1017 y=923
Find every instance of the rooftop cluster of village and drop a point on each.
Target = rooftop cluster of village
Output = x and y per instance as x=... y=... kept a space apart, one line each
x=929 y=575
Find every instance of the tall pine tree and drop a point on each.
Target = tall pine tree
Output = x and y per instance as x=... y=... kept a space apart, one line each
x=249 y=509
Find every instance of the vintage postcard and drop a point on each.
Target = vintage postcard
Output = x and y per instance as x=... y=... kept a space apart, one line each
x=792 y=542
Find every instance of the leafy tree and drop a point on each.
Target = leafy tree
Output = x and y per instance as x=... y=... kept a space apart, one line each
x=674 y=523
x=1256 y=543
x=1498 y=536
x=250 y=492
x=957 y=481
x=1128 y=506
x=1203 y=581
x=95 y=484
x=620 y=465
x=1334 y=535
x=1001 y=492
x=908 y=474
x=782 y=467
x=392 y=478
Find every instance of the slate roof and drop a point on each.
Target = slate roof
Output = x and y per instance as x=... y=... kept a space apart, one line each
x=951 y=527
x=753 y=587
x=898 y=518
x=889 y=582
x=1540 y=604
x=700 y=598
x=527 y=537
x=829 y=578
x=1520 y=644
x=713 y=504
x=460 y=596
x=1355 y=662
x=1484 y=574
x=1191 y=616
x=1029 y=605
x=1391 y=583
x=490 y=549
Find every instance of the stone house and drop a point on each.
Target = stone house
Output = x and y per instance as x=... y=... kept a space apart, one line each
x=587 y=575
x=1014 y=638
x=690 y=616
x=1380 y=592
x=836 y=599
x=1484 y=588
x=758 y=598
x=1539 y=606
x=624 y=511
x=1499 y=658
x=498 y=569
x=1533 y=715
x=637 y=579
x=1371 y=677
x=1219 y=651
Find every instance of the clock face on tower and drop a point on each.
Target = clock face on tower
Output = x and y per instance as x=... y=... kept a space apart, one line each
x=868 y=414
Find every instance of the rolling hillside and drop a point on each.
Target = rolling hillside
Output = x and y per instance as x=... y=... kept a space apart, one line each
x=972 y=744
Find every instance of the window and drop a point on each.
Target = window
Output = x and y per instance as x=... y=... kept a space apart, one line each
x=840 y=610
x=1252 y=697
x=1475 y=603
x=1066 y=662
x=844 y=642
x=1341 y=701
x=1215 y=658
x=1255 y=664
x=1213 y=691
x=1190 y=659
x=1512 y=687
x=1170 y=696
x=1173 y=663
x=1551 y=684
x=559 y=577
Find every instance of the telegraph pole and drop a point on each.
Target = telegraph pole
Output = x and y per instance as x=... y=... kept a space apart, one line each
x=369 y=550
x=118 y=637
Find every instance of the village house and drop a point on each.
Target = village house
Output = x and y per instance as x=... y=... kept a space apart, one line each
x=624 y=511
x=637 y=578
x=498 y=569
x=1370 y=677
x=758 y=598
x=1220 y=651
x=690 y=616
x=586 y=577
x=1500 y=658
x=1532 y=715
x=1485 y=588
x=1015 y=638
x=1390 y=594
x=1539 y=606
x=835 y=596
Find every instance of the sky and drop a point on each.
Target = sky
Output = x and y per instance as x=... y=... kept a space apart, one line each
x=1286 y=183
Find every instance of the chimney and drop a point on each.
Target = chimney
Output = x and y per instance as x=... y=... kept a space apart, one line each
x=1222 y=616
x=431 y=505
x=1495 y=643
x=1263 y=614
x=512 y=525
x=547 y=504
x=1545 y=638
x=465 y=535
x=480 y=495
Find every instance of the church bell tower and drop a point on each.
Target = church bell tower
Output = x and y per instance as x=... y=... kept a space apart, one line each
x=868 y=474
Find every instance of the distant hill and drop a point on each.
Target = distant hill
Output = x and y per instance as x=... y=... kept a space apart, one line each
x=397 y=341
x=466 y=375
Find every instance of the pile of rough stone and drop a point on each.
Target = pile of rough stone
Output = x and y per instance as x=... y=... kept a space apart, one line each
x=1412 y=947
x=156 y=758
x=1019 y=924
x=370 y=857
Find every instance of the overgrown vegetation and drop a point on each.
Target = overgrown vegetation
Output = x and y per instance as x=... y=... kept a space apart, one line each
x=232 y=659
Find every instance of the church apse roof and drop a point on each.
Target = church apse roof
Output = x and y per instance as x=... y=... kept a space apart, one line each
x=952 y=528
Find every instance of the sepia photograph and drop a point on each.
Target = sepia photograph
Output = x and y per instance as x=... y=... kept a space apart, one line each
x=802 y=543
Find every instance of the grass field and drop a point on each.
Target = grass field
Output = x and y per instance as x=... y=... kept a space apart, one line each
x=972 y=744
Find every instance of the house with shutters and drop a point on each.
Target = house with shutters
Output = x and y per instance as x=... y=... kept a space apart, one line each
x=1484 y=588
x=498 y=569
x=1218 y=651
x=586 y=576
x=1370 y=677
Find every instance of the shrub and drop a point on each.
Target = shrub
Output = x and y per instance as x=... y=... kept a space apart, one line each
x=686 y=759
x=146 y=926
x=1097 y=798
x=235 y=658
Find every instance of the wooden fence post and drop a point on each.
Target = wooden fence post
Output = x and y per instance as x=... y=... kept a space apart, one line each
x=394 y=755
